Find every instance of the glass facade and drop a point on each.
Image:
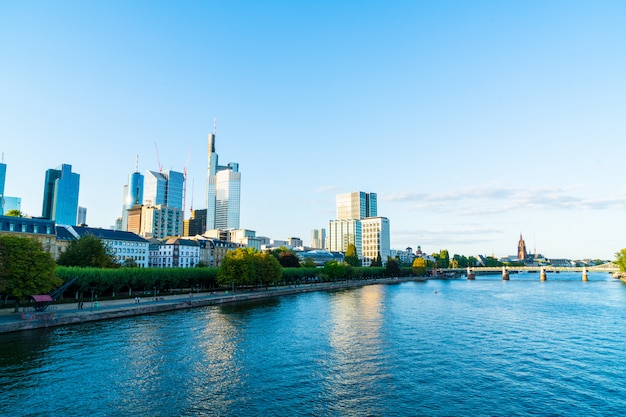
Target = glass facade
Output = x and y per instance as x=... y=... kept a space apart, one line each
x=133 y=195
x=227 y=199
x=60 y=200
x=223 y=192
x=163 y=188
x=356 y=205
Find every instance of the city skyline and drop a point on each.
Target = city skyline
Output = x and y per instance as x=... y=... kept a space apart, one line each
x=472 y=121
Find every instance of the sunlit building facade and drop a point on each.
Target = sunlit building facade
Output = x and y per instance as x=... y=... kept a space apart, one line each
x=356 y=205
x=344 y=232
x=223 y=191
x=375 y=239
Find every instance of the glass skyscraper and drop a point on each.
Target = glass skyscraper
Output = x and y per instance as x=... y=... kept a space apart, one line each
x=356 y=205
x=164 y=188
x=60 y=195
x=223 y=192
x=133 y=195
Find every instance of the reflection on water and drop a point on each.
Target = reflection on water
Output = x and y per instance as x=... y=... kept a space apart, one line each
x=484 y=347
x=356 y=364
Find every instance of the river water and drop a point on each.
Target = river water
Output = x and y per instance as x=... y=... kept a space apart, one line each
x=436 y=348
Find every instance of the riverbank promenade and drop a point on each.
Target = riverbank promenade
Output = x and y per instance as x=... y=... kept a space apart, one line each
x=62 y=314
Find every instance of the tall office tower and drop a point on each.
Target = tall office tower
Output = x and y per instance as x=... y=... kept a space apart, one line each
x=164 y=188
x=60 y=195
x=3 y=175
x=81 y=218
x=133 y=195
x=318 y=238
x=356 y=205
x=223 y=192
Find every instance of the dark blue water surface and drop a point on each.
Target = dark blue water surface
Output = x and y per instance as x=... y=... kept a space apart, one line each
x=436 y=348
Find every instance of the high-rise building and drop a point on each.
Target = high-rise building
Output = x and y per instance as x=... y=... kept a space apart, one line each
x=223 y=191
x=133 y=195
x=60 y=195
x=356 y=205
x=318 y=238
x=81 y=218
x=164 y=188
x=3 y=176
x=358 y=224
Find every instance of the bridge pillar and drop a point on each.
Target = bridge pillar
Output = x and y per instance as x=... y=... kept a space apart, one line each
x=505 y=274
x=470 y=273
x=542 y=274
x=585 y=278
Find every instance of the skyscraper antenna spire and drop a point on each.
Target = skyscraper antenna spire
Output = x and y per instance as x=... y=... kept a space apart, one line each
x=215 y=126
x=137 y=163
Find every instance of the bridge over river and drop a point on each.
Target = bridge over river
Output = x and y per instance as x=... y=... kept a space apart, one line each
x=543 y=270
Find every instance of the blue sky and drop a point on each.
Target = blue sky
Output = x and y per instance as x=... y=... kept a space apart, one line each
x=474 y=121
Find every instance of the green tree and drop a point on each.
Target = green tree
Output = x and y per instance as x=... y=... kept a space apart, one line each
x=620 y=259
x=14 y=213
x=86 y=251
x=309 y=263
x=334 y=270
x=237 y=268
x=351 y=257
x=392 y=268
x=378 y=262
x=267 y=269
x=444 y=259
x=25 y=267
x=492 y=262
x=288 y=259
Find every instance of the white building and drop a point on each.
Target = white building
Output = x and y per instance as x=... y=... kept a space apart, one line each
x=122 y=245
x=174 y=253
x=358 y=224
x=375 y=239
x=344 y=232
x=223 y=192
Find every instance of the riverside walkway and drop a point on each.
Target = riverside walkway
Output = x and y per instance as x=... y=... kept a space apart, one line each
x=65 y=314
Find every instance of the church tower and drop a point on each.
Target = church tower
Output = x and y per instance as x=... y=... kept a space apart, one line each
x=521 y=249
